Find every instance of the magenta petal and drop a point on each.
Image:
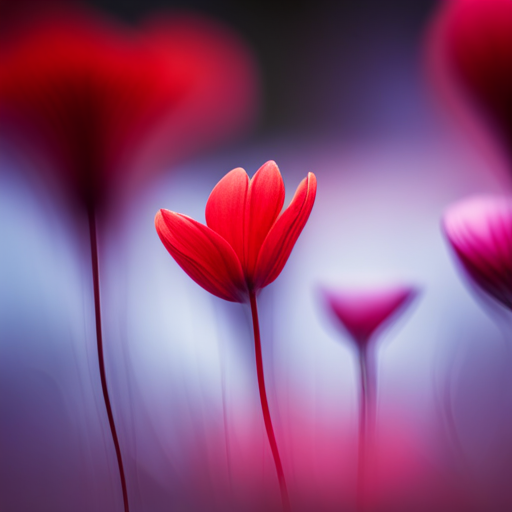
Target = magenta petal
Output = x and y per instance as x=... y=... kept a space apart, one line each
x=480 y=231
x=281 y=239
x=203 y=254
x=362 y=312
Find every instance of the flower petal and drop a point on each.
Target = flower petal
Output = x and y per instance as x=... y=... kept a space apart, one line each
x=364 y=311
x=480 y=231
x=225 y=209
x=203 y=254
x=265 y=201
x=474 y=39
x=279 y=243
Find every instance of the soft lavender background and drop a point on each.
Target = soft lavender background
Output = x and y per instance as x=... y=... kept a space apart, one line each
x=180 y=362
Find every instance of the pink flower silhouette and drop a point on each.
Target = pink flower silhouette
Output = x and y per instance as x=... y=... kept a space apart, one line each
x=480 y=231
x=246 y=241
x=362 y=312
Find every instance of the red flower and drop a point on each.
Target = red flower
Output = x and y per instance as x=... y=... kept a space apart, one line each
x=362 y=312
x=246 y=243
x=99 y=99
x=480 y=231
x=472 y=47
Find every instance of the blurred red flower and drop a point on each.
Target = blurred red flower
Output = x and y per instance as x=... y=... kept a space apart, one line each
x=471 y=49
x=480 y=231
x=102 y=101
x=246 y=243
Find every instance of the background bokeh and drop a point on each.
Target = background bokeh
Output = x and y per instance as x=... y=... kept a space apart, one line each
x=345 y=93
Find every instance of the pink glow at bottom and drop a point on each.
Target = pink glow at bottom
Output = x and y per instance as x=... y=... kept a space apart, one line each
x=320 y=469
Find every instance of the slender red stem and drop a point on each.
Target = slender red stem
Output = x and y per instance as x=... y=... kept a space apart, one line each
x=264 y=405
x=101 y=358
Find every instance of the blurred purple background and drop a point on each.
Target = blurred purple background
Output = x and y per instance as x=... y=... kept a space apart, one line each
x=346 y=95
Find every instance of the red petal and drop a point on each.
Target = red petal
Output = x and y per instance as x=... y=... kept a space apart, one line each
x=203 y=254
x=265 y=201
x=279 y=243
x=221 y=79
x=225 y=209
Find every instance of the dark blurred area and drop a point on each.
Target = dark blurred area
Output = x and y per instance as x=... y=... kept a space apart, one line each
x=314 y=56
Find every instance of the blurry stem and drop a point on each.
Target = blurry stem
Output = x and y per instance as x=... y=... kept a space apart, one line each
x=367 y=412
x=101 y=358
x=264 y=404
x=449 y=416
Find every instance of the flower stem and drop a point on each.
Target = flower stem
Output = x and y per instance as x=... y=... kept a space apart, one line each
x=101 y=358
x=264 y=405
x=367 y=386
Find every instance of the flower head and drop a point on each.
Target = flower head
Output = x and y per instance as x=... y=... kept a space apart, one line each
x=362 y=312
x=247 y=240
x=101 y=101
x=480 y=231
x=472 y=41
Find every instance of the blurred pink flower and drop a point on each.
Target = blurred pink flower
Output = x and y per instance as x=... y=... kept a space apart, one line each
x=480 y=231
x=363 y=312
x=471 y=52
x=247 y=240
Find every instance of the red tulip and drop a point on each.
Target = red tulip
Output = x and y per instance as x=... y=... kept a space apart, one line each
x=97 y=97
x=243 y=248
x=480 y=231
x=362 y=312
x=472 y=49
x=246 y=241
